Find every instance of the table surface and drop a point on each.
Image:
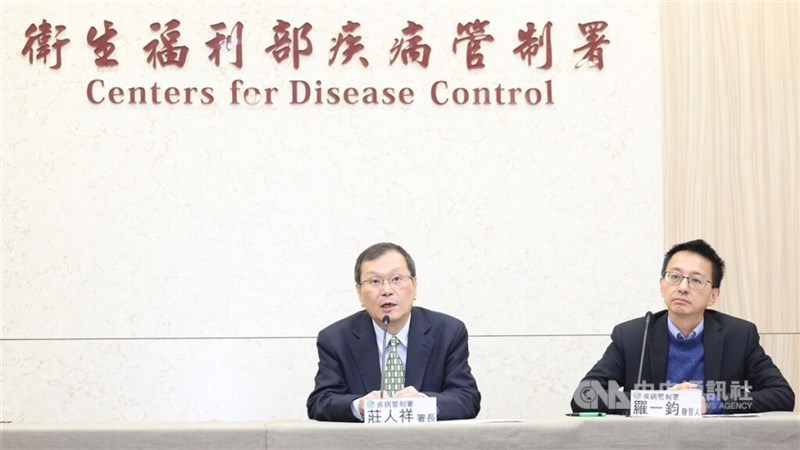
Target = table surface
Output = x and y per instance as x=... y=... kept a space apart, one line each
x=771 y=430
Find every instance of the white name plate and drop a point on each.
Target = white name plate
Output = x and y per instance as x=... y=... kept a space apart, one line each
x=400 y=411
x=666 y=404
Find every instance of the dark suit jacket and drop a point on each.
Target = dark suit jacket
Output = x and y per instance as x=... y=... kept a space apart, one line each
x=436 y=366
x=732 y=353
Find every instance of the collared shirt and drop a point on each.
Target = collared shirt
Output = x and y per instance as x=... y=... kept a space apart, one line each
x=402 y=347
x=673 y=330
x=402 y=352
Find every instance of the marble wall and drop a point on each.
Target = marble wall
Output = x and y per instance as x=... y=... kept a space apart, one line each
x=175 y=262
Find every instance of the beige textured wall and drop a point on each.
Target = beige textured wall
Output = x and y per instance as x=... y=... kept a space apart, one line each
x=731 y=84
x=176 y=293
x=175 y=262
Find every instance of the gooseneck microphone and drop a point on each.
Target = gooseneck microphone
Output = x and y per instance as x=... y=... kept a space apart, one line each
x=383 y=354
x=644 y=346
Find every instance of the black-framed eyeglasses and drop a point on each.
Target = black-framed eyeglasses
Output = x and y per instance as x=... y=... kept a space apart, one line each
x=696 y=282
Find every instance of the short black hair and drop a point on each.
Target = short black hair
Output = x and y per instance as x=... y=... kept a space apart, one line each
x=702 y=248
x=377 y=250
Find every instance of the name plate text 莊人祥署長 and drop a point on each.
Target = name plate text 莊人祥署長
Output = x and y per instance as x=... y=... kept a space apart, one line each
x=400 y=411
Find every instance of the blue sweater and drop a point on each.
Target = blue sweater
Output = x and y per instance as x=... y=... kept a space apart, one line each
x=685 y=360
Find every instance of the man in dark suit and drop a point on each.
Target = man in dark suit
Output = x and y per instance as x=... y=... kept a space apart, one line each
x=688 y=347
x=432 y=346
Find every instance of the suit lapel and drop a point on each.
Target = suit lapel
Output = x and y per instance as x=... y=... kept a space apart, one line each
x=712 y=344
x=419 y=349
x=365 y=352
x=658 y=343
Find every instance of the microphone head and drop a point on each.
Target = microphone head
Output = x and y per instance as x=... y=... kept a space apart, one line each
x=386 y=320
x=647 y=316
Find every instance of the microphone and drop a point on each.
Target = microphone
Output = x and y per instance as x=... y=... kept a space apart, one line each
x=383 y=354
x=644 y=346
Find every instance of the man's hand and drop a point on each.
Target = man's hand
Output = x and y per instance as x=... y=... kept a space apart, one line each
x=373 y=394
x=687 y=386
x=407 y=392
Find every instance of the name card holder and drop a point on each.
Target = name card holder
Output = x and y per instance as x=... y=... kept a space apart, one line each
x=400 y=411
x=682 y=404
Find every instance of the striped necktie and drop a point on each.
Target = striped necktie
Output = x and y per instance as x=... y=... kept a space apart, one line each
x=394 y=376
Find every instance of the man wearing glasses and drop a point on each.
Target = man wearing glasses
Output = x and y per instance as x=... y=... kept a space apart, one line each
x=426 y=352
x=689 y=347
